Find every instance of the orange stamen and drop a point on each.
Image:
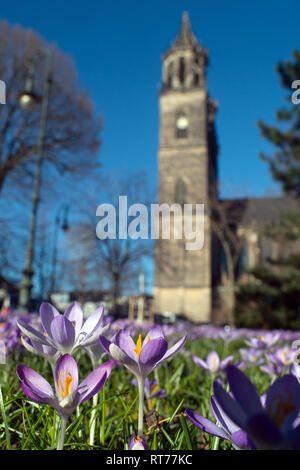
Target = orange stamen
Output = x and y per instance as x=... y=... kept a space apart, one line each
x=67 y=387
x=138 y=348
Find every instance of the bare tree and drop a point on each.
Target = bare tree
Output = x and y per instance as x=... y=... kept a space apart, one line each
x=110 y=264
x=72 y=133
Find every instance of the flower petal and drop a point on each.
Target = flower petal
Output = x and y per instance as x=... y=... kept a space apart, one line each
x=221 y=416
x=74 y=313
x=35 y=384
x=94 y=381
x=263 y=432
x=105 y=343
x=205 y=424
x=230 y=406
x=173 y=350
x=241 y=440
x=124 y=359
x=283 y=401
x=63 y=333
x=93 y=321
x=244 y=391
x=213 y=361
x=47 y=314
x=200 y=362
x=155 y=332
x=27 y=330
x=124 y=341
x=151 y=353
x=225 y=363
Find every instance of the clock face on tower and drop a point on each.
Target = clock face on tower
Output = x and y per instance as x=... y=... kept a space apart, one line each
x=182 y=122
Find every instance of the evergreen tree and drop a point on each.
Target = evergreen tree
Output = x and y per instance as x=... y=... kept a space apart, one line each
x=272 y=299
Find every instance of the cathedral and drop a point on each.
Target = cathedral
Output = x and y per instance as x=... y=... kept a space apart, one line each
x=194 y=283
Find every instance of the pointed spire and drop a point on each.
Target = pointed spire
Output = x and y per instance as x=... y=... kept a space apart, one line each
x=186 y=37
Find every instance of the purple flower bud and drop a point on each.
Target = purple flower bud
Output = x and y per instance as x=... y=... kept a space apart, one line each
x=138 y=443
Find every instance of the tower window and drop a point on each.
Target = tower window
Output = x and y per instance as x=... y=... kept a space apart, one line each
x=181 y=70
x=180 y=192
x=170 y=75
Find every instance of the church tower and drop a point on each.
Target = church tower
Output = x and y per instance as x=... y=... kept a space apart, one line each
x=187 y=161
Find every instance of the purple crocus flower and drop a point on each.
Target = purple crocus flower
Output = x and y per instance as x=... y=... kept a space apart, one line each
x=138 y=443
x=141 y=358
x=225 y=428
x=213 y=363
x=264 y=341
x=67 y=332
x=284 y=356
x=272 y=425
x=69 y=394
x=252 y=356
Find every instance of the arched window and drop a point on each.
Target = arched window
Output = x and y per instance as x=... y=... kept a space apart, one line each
x=180 y=192
x=181 y=74
x=243 y=263
x=170 y=75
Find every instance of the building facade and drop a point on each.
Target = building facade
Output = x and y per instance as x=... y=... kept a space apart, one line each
x=196 y=284
x=187 y=161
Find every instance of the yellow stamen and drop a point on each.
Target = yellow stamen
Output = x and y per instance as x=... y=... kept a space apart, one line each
x=45 y=334
x=138 y=348
x=68 y=385
x=137 y=439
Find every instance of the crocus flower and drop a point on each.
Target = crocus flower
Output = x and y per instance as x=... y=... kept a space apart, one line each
x=213 y=363
x=69 y=394
x=272 y=425
x=224 y=429
x=252 y=356
x=144 y=356
x=263 y=341
x=66 y=332
x=284 y=356
x=138 y=443
x=141 y=358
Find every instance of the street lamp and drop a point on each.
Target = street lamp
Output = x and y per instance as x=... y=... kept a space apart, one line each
x=28 y=101
x=61 y=221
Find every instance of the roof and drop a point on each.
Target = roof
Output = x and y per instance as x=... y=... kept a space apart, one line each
x=261 y=210
x=185 y=38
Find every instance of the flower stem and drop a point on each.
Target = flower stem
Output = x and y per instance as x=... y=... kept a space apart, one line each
x=93 y=419
x=141 y=383
x=62 y=434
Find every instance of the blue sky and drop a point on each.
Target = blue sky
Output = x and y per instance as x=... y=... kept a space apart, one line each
x=117 y=47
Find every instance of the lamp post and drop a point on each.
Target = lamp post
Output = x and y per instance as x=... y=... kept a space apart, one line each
x=28 y=100
x=61 y=221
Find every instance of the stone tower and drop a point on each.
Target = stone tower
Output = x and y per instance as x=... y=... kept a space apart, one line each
x=187 y=174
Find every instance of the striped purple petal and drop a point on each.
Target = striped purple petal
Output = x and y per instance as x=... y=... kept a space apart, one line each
x=205 y=424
